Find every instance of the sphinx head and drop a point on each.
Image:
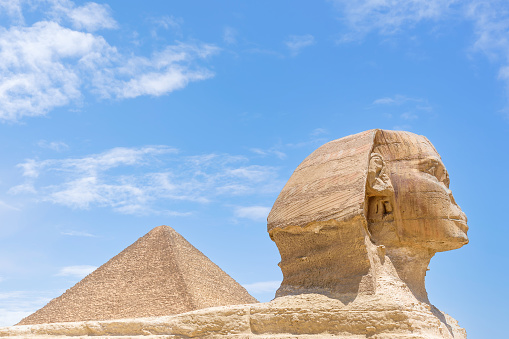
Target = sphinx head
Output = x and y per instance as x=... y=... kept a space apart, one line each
x=376 y=189
x=408 y=200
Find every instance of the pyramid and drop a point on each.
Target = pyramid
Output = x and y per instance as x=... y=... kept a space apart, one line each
x=160 y=274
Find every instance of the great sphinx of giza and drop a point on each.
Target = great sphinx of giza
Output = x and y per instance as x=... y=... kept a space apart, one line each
x=364 y=214
x=356 y=226
x=361 y=218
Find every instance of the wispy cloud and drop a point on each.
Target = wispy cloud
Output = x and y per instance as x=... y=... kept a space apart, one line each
x=407 y=108
x=230 y=35
x=257 y=213
x=409 y=116
x=169 y=21
x=91 y=16
x=58 y=146
x=4 y=205
x=491 y=27
x=139 y=180
x=399 y=100
x=79 y=271
x=490 y=20
x=415 y=104
x=270 y=151
x=298 y=42
x=387 y=17
x=48 y=65
x=319 y=131
x=262 y=286
x=78 y=234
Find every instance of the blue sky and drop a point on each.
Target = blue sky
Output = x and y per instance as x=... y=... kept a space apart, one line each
x=116 y=117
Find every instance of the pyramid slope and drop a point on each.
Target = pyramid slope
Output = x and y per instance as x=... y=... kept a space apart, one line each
x=160 y=274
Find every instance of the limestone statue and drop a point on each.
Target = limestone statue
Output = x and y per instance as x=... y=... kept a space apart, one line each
x=364 y=215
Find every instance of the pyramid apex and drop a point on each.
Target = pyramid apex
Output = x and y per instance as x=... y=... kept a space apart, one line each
x=161 y=228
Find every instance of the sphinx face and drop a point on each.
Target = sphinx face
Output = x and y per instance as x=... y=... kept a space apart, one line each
x=425 y=212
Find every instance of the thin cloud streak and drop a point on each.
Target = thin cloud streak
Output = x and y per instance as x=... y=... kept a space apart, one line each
x=296 y=43
x=57 y=146
x=387 y=17
x=4 y=205
x=256 y=213
x=78 y=234
x=79 y=271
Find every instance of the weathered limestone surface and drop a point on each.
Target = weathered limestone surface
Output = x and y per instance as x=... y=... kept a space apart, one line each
x=160 y=274
x=299 y=316
x=356 y=226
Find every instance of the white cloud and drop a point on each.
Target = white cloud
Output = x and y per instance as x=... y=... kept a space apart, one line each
x=409 y=116
x=402 y=127
x=407 y=108
x=396 y=100
x=12 y=9
x=142 y=180
x=48 y=65
x=262 y=287
x=491 y=28
x=35 y=69
x=229 y=35
x=160 y=74
x=92 y=164
x=271 y=151
x=490 y=20
x=4 y=205
x=92 y=16
x=491 y=25
x=297 y=42
x=412 y=105
x=78 y=234
x=388 y=16
x=319 y=131
x=26 y=187
x=169 y=21
x=384 y=101
x=257 y=213
x=79 y=271
x=58 y=146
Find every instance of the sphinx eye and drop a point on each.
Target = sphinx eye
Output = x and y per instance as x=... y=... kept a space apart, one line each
x=437 y=170
x=431 y=170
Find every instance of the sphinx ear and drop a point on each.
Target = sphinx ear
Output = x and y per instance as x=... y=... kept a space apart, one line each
x=378 y=182
x=380 y=202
